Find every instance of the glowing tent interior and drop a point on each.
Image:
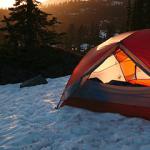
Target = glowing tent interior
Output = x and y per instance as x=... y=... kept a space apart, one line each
x=120 y=67
x=113 y=77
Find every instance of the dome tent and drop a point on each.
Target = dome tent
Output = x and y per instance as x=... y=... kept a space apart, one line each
x=113 y=77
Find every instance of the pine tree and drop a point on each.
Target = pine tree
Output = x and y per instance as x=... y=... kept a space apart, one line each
x=138 y=14
x=146 y=16
x=71 y=36
x=28 y=26
x=129 y=11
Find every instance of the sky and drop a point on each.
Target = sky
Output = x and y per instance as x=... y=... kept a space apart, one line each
x=9 y=3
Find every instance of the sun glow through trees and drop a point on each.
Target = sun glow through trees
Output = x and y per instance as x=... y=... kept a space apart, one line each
x=9 y=3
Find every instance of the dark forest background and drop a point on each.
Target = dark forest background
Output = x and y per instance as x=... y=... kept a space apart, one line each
x=90 y=22
x=81 y=26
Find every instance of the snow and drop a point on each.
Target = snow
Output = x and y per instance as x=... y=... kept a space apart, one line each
x=28 y=121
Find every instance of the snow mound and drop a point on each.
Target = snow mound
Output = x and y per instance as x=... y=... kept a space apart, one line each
x=28 y=121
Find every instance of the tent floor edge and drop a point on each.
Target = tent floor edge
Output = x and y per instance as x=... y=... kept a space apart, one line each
x=105 y=107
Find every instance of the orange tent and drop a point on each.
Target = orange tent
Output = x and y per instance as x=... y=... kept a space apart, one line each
x=114 y=76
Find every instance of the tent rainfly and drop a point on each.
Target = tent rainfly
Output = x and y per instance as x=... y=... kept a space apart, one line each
x=113 y=77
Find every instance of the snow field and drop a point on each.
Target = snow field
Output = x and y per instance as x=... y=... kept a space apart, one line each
x=28 y=121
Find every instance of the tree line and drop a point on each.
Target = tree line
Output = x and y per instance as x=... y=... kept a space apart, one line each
x=138 y=14
x=29 y=26
x=84 y=21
